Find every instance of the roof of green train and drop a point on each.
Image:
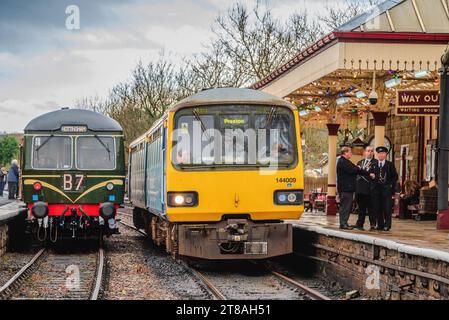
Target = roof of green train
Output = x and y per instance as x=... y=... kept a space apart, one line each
x=53 y=121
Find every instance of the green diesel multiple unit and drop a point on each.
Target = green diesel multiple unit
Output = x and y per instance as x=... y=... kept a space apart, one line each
x=73 y=174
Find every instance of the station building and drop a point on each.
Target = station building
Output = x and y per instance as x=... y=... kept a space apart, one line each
x=393 y=50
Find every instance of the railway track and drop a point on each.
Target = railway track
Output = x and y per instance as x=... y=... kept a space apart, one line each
x=218 y=292
x=57 y=276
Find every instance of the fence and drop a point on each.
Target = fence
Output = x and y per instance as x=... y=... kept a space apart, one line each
x=311 y=183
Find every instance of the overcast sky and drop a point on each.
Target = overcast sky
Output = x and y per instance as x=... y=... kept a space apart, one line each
x=45 y=66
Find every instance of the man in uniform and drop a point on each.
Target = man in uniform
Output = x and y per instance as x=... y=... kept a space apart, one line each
x=385 y=180
x=364 y=190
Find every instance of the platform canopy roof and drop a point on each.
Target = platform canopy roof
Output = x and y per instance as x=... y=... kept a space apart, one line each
x=400 y=41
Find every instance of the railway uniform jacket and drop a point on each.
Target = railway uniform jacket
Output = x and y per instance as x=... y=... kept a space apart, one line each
x=365 y=185
x=386 y=177
x=347 y=175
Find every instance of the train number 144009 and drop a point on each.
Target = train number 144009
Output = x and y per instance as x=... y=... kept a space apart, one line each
x=285 y=180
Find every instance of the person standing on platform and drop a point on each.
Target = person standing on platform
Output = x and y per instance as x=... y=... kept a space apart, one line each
x=364 y=190
x=3 y=174
x=13 y=180
x=346 y=176
x=385 y=180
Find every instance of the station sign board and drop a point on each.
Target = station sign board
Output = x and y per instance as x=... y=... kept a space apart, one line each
x=418 y=103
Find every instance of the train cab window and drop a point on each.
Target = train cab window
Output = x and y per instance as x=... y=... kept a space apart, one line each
x=235 y=143
x=242 y=136
x=278 y=148
x=187 y=153
x=95 y=153
x=52 y=153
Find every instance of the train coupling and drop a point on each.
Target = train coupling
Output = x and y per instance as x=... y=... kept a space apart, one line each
x=237 y=230
x=235 y=239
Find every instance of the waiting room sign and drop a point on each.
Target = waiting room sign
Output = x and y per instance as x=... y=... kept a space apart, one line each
x=418 y=103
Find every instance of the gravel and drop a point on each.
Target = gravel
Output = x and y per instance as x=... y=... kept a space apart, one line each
x=138 y=270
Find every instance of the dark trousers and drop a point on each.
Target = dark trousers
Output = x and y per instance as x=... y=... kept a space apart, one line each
x=405 y=212
x=383 y=206
x=346 y=199
x=12 y=190
x=2 y=187
x=366 y=207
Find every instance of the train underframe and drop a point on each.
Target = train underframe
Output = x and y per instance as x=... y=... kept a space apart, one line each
x=235 y=237
x=70 y=222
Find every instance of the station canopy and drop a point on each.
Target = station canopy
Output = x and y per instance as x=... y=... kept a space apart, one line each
x=400 y=42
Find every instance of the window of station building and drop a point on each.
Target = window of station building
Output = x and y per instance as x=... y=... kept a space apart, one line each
x=95 y=153
x=52 y=153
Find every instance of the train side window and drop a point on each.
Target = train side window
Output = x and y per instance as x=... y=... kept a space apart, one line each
x=52 y=153
x=95 y=153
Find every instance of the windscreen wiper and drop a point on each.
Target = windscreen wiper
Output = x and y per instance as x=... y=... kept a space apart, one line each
x=270 y=117
x=104 y=145
x=43 y=143
x=198 y=118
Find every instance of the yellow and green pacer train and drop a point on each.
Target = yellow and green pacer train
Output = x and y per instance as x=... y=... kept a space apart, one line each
x=73 y=173
x=217 y=174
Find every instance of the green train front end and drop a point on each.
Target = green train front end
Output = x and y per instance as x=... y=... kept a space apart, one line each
x=73 y=175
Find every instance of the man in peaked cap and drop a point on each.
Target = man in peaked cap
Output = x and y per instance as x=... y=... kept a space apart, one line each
x=364 y=190
x=385 y=181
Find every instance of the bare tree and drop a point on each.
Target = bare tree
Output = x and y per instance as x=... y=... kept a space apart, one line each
x=94 y=103
x=248 y=45
x=341 y=12
x=254 y=39
x=303 y=30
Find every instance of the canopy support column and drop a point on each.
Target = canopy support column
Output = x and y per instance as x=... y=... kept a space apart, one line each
x=380 y=119
x=443 y=155
x=331 y=203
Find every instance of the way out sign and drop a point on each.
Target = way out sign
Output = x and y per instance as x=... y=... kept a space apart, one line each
x=417 y=103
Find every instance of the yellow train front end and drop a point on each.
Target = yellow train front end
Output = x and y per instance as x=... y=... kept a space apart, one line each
x=233 y=174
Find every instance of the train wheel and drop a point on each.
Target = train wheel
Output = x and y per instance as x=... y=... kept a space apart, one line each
x=172 y=240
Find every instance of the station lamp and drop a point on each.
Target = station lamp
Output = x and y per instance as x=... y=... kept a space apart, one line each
x=360 y=94
x=393 y=82
x=421 y=73
x=342 y=100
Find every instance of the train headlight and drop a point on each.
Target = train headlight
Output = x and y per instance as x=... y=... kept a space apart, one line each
x=110 y=186
x=288 y=197
x=37 y=186
x=39 y=210
x=179 y=200
x=182 y=199
x=291 y=197
x=282 y=197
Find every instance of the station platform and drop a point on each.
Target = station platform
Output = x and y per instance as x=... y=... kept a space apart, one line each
x=422 y=234
x=411 y=261
x=9 y=209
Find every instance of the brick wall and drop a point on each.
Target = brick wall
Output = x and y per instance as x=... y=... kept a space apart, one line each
x=402 y=132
